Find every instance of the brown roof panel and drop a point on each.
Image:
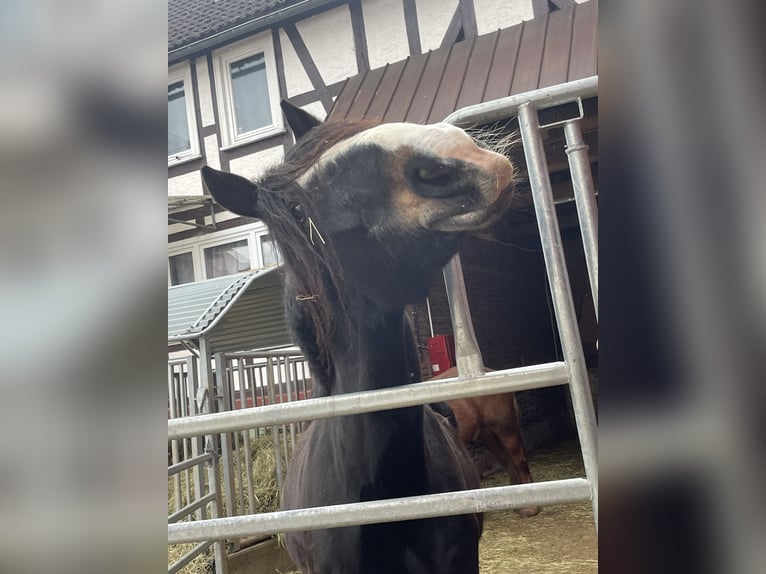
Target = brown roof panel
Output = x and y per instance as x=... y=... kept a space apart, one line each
x=346 y=96
x=530 y=56
x=365 y=94
x=386 y=89
x=555 y=63
x=452 y=81
x=477 y=72
x=503 y=63
x=555 y=48
x=402 y=98
x=424 y=96
x=584 y=50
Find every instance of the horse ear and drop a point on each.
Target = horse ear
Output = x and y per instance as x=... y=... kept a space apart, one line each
x=299 y=120
x=233 y=192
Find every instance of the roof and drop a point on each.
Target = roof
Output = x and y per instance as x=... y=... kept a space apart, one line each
x=190 y=21
x=552 y=49
x=235 y=313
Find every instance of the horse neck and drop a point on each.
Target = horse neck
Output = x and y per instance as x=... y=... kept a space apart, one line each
x=375 y=351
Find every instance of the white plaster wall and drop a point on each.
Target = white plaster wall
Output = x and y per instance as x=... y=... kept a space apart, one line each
x=492 y=15
x=296 y=79
x=254 y=165
x=316 y=109
x=330 y=41
x=433 y=19
x=211 y=151
x=205 y=93
x=386 y=32
x=187 y=184
x=219 y=217
x=177 y=228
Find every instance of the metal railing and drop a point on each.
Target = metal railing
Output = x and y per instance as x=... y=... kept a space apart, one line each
x=193 y=462
x=472 y=381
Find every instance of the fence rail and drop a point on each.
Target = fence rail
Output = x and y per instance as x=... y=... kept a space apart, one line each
x=392 y=510
x=522 y=378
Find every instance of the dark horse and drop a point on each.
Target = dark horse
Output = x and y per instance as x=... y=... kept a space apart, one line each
x=366 y=215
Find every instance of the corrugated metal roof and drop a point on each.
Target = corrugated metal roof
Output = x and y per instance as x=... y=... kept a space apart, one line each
x=557 y=47
x=238 y=312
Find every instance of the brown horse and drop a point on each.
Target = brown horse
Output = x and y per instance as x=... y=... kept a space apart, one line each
x=494 y=420
x=366 y=216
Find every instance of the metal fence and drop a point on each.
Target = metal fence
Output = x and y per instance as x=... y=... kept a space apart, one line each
x=193 y=467
x=241 y=381
x=472 y=381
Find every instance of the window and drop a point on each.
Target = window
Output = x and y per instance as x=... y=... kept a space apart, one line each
x=181 y=268
x=270 y=254
x=247 y=91
x=226 y=252
x=227 y=259
x=182 y=129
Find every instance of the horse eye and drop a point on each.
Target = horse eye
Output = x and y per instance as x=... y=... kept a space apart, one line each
x=297 y=211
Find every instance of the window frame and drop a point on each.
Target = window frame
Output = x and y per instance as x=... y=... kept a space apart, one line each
x=252 y=232
x=182 y=73
x=222 y=59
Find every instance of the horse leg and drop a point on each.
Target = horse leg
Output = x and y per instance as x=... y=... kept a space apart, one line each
x=507 y=446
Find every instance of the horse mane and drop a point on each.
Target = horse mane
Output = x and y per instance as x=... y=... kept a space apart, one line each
x=315 y=294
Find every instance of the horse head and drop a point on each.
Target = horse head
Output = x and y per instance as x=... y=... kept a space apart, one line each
x=386 y=204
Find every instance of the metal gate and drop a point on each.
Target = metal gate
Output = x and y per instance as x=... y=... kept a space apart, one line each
x=472 y=381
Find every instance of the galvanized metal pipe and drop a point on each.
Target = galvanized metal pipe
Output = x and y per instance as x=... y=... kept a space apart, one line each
x=393 y=510
x=561 y=293
x=585 y=199
x=520 y=378
x=467 y=352
x=213 y=475
x=183 y=465
x=227 y=451
x=191 y=507
x=542 y=98
x=274 y=428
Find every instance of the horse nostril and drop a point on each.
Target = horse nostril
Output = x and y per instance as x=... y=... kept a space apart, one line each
x=433 y=177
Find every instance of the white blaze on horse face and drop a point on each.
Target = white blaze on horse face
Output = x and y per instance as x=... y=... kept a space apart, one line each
x=442 y=140
x=404 y=141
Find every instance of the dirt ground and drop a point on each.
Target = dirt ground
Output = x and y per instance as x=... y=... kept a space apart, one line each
x=561 y=539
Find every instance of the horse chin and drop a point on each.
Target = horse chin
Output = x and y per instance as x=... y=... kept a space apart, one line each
x=465 y=222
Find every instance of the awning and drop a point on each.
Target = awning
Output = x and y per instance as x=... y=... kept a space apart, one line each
x=234 y=313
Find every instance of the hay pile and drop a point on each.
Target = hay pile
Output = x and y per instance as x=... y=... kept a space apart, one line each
x=561 y=539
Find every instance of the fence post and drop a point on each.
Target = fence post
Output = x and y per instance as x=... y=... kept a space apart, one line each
x=214 y=482
x=561 y=292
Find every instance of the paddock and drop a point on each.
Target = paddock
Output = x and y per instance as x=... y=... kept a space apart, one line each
x=210 y=430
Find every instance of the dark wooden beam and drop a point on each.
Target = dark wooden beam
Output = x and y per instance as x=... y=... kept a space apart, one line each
x=453 y=30
x=360 y=37
x=470 y=28
x=308 y=65
x=216 y=114
x=411 y=24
